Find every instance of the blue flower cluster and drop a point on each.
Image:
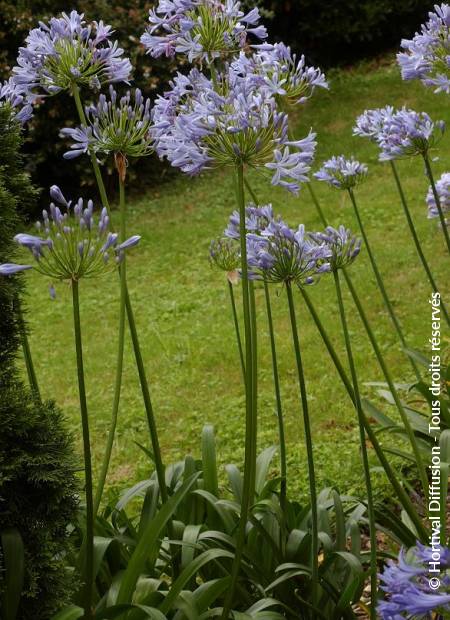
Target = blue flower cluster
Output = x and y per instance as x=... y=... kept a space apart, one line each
x=406 y=584
x=425 y=56
x=277 y=253
x=399 y=133
x=74 y=245
x=19 y=98
x=201 y=123
x=443 y=191
x=341 y=172
x=115 y=126
x=276 y=68
x=203 y=30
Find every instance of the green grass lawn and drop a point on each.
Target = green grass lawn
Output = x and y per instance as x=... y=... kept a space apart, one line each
x=184 y=318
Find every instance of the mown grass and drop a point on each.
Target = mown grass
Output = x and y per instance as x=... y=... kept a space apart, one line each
x=184 y=317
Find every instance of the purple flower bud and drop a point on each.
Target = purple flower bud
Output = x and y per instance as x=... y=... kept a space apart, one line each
x=58 y=196
x=129 y=243
x=9 y=269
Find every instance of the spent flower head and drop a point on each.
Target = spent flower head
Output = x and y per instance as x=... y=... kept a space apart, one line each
x=426 y=56
x=277 y=69
x=344 y=246
x=71 y=243
x=224 y=254
x=342 y=172
x=115 y=125
x=69 y=51
x=407 y=585
x=443 y=192
x=202 y=30
x=201 y=124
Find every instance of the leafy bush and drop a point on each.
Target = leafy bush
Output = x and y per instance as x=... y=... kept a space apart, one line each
x=37 y=482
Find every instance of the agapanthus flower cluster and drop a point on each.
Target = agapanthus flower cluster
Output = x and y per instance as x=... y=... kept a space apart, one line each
x=277 y=69
x=399 y=133
x=199 y=125
x=407 y=585
x=116 y=125
x=344 y=246
x=71 y=244
x=67 y=51
x=257 y=218
x=19 y=98
x=277 y=253
x=426 y=56
x=342 y=173
x=203 y=30
x=443 y=192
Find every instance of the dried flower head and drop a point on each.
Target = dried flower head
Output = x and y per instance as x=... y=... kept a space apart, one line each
x=203 y=30
x=116 y=125
x=68 y=51
x=225 y=255
x=73 y=245
x=200 y=124
x=342 y=173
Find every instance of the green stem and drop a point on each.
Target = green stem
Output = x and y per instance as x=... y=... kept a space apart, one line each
x=365 y=458
x=415 y=237
x=248 y=491
x=400 y=491
x=276 y=381
x=95 y=166
x=380 y=282
x=309 y=447
x=236 y=327
x=32 y=378
x=120 y=354
x=437 y=200
x=387 y=375
x=316 y=204
x=89 y=563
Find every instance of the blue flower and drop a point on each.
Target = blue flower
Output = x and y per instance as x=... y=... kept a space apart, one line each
x=342 y=173
x=73 y=245
x=19 y=98
x=425 y=56
x=203 y=30
x=200 y=124
x=67 y=51
x=443 y=191
x=344 y=246
x=406 y=585
x=115 y=126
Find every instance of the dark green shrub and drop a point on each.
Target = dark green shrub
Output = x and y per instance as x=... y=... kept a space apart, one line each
x=38 y=489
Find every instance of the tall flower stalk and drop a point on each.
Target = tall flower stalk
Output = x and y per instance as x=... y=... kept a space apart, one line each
x=437 y=199
x=121 y=127
x=309 y=447
x=248 y=302
x=415 y=237
x=404 y=133
x=89 y=541
x=276 y=384
x=345 y=174
x=72 y=247
x=345 y=247
x=387 y=375
x=237 y=328
x=29 y=365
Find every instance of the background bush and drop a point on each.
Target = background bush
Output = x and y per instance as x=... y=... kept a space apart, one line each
x=38 y=487
x=330 y=33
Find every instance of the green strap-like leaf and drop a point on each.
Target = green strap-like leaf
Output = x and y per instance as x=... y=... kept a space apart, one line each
x=14 y=561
